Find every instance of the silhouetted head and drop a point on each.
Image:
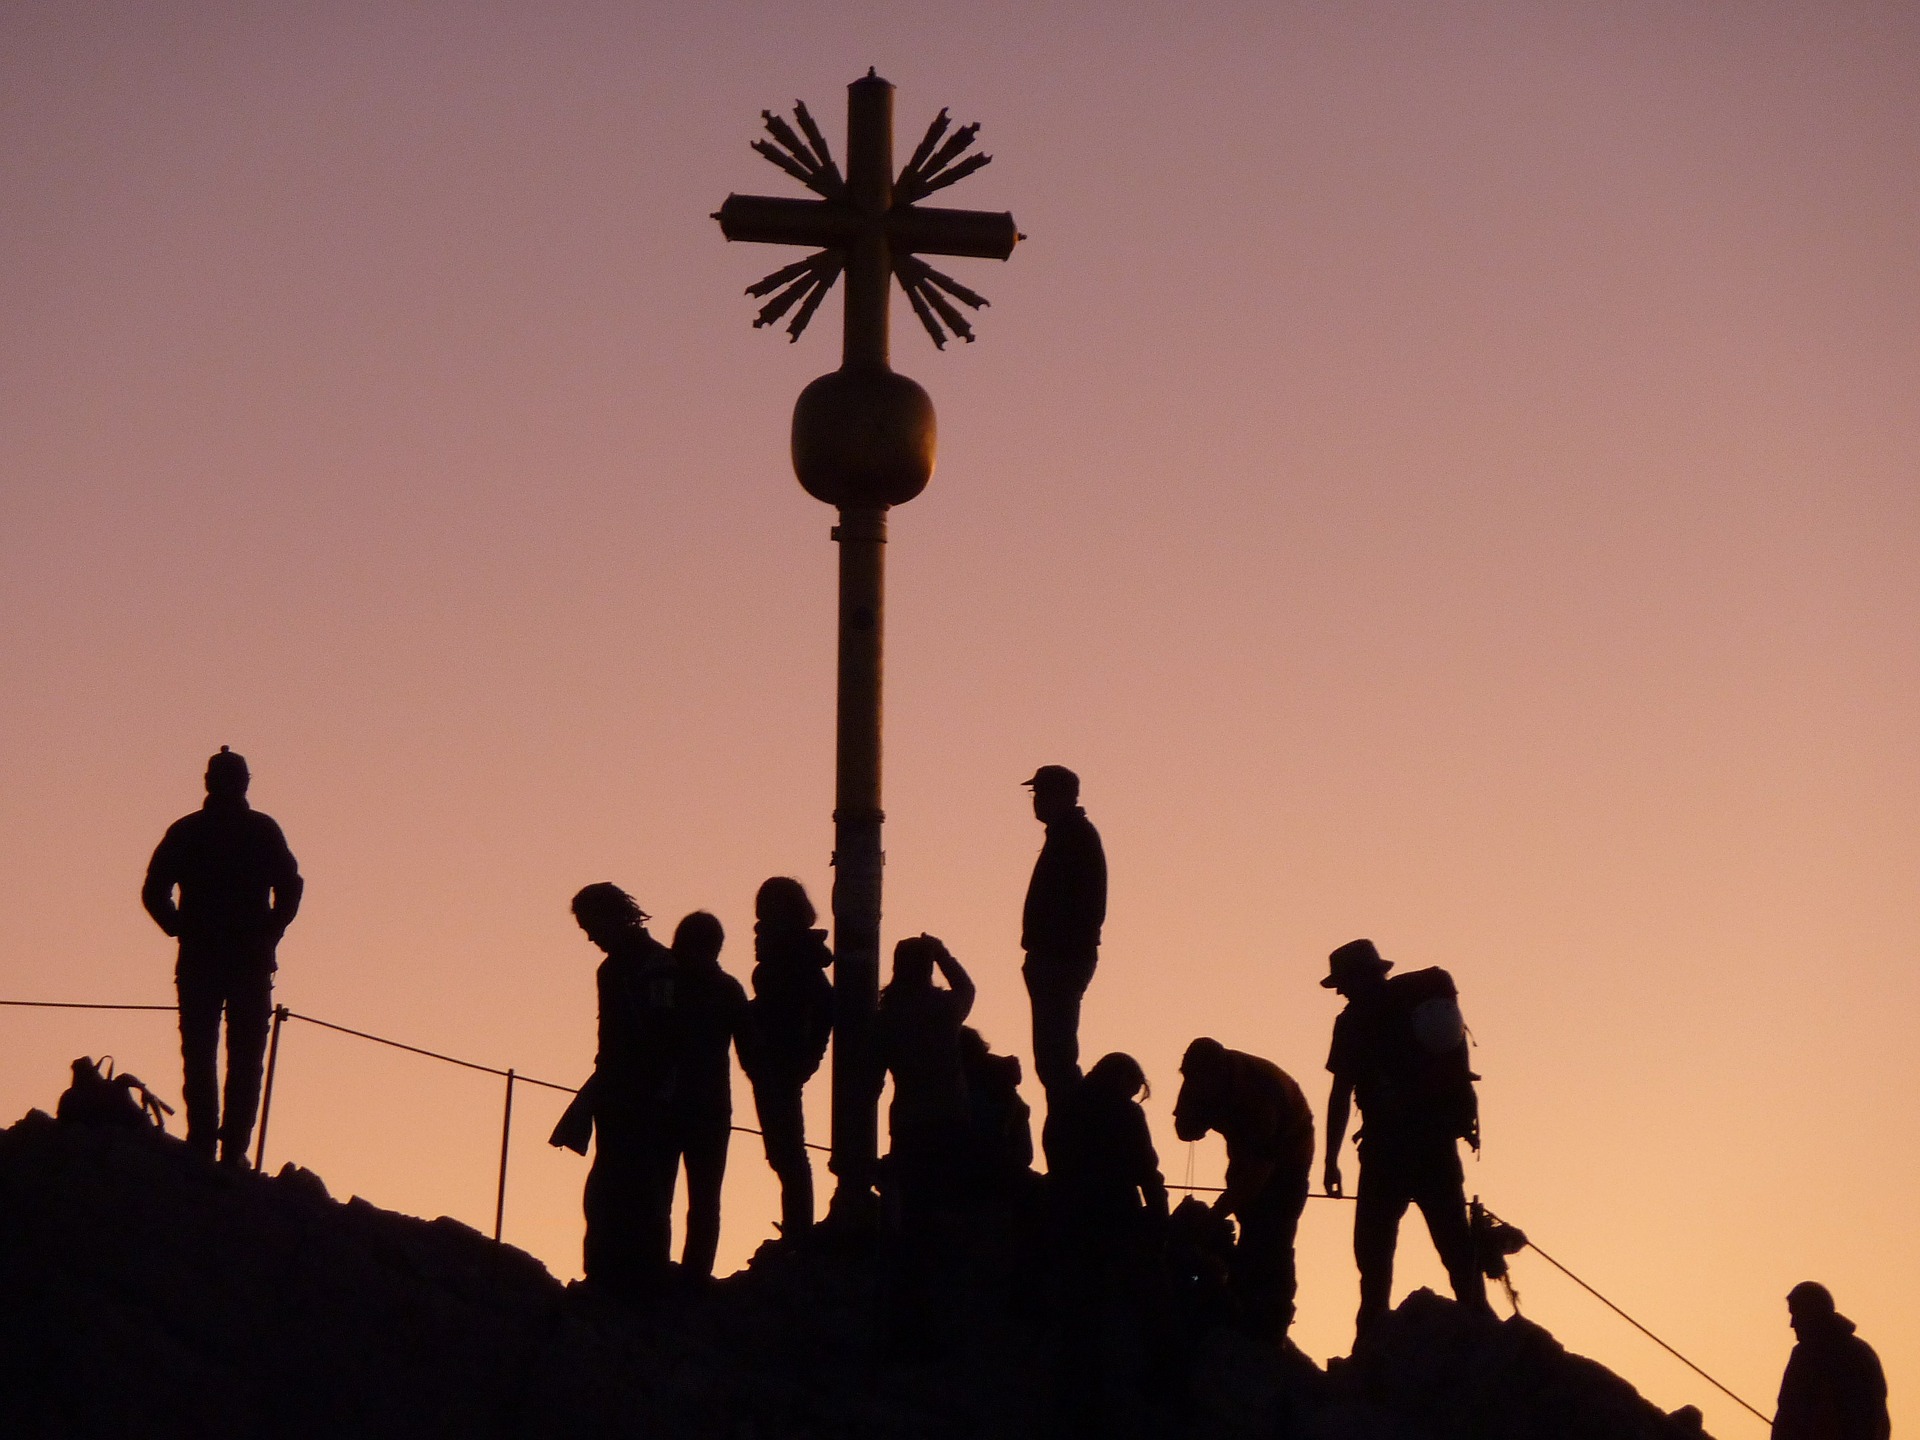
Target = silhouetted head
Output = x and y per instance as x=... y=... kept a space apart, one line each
x=1056 y=791
x=782 y=903
x=996 y=1073
x=1810 y=1308
x=1120 y=1076
x=1355 y=968
x=698 y=938
x=1203 y=1085
x=606 y=912
x=227 y=775
x=913 y=963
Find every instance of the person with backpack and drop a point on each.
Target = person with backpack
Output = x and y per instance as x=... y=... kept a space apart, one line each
x=239 y=890
x=792 y=1018
x=1400 y=1050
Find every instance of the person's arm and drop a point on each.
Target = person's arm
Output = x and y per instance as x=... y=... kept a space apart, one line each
x=957 y=980
x=1090 y=889
x=287 y=886
x=1249 y=1174
x=1339 y=1103
x=163 y=873
x=1153 y=1185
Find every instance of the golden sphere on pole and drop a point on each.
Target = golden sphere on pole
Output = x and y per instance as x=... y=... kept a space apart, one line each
x=863 y=438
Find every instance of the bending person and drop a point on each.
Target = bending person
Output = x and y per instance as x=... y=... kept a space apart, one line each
x=1269 y=1134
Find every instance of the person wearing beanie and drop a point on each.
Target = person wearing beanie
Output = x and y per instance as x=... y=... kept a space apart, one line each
x=238 y=889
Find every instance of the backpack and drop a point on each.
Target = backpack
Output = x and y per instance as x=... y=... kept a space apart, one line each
x=1434 y=1071
x=97 y=1096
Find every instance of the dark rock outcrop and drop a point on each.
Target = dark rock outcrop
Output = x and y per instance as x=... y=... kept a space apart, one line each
x=145 y=1292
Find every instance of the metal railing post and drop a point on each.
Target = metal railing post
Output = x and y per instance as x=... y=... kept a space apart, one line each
x=506 y=1139
x=266 y=1095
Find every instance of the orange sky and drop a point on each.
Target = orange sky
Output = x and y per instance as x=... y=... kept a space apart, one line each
x=1445 y=475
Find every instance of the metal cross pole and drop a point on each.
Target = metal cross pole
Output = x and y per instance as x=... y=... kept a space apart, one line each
x=863 y=441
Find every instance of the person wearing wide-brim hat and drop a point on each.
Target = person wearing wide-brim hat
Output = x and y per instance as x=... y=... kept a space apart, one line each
x=1398 y=1054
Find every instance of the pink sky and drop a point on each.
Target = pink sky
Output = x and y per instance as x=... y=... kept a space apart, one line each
x=1442 y=474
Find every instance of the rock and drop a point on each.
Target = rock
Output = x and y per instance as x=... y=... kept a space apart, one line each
x=146 y=1292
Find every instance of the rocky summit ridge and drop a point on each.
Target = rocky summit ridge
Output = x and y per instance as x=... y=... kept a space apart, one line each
x=147 y=1293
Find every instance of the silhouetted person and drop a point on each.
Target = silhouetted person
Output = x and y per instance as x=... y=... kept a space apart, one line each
x=712 y=1017
x=625 y=1106
x=1109 y=1212
x=239 y=890
x=792 y=1017
x=1060 y=926
x=1268 y=1127
x=929 y=1123
x=1101 y=1164
x=1833 y=1388
x=1000 y=1123
x=1400 y=1050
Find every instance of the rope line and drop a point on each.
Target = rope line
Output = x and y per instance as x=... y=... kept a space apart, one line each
x=1763 y=1419
x=1221 y=1190
x=518 y=1078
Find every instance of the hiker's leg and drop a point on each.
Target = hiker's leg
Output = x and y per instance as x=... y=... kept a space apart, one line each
x=200 y=1000
x=706 y=1168
x=784 y=1133
x=249 y=1016
x=1443 y=1201
x=1380 y=1203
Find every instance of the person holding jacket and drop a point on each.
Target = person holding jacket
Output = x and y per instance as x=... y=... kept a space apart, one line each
x=791 y=1017
x=622 y=1109
x=1060 y=926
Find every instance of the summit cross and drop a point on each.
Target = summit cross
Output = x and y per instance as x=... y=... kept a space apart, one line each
x=868 y=223
x=863 y=441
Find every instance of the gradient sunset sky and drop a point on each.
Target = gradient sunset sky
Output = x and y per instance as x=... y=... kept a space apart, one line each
x=1449 y=474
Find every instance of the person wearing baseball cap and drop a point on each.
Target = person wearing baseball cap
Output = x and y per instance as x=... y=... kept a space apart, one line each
x=1060 y=926
x=239 y=888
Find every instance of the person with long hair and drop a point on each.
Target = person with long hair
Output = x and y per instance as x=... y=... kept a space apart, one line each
x=792 y=1017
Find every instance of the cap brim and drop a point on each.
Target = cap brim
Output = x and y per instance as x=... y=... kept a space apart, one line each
x=1330 y=982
